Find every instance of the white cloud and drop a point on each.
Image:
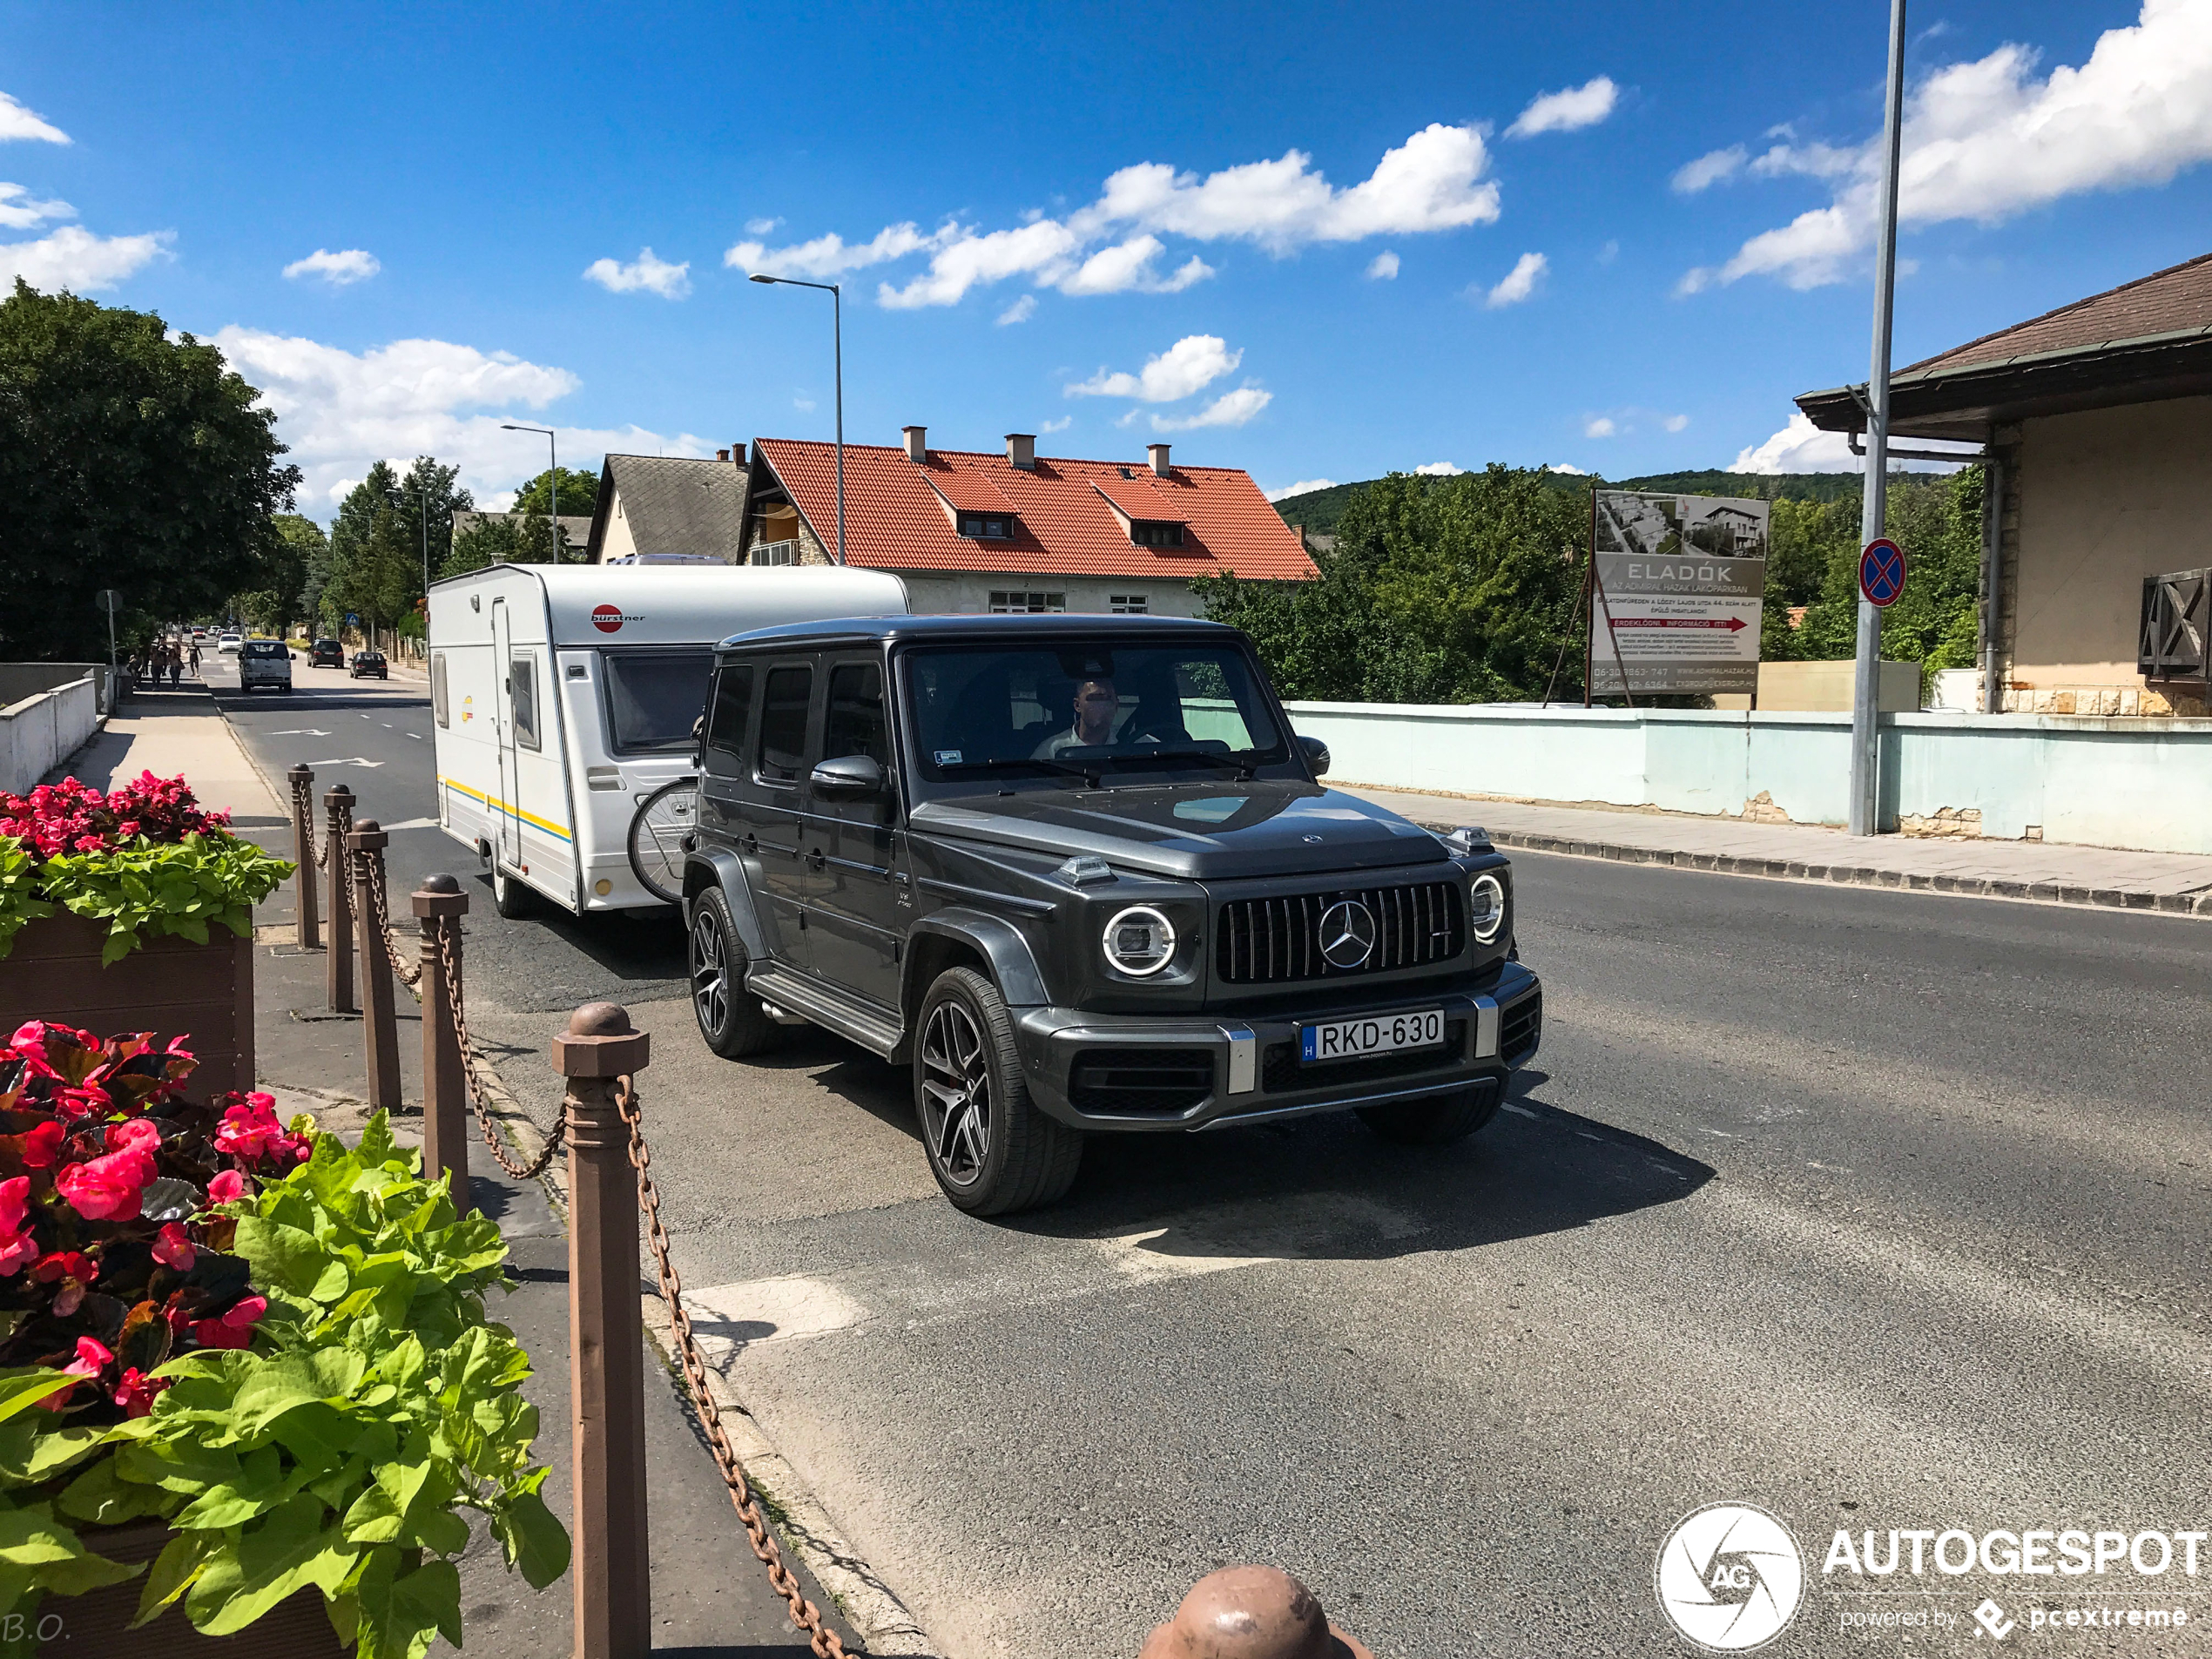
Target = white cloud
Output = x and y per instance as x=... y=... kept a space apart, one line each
x=20 y=210
x=1602 y=427
x=1986 y=140
x=1519 y=282
x=1676 y=423
x=1231 y=409
x=1304 y=486
x=1020 y=311
x=74 y=258
x=644 y=274
x=17 y=122
x=1568 y=111
x=1043 y=248
x=1561 y=467
x=827 y=257
x=761 y=226
x=1188 y=366
x=1384 y=266
x=339 y=269
x=803 y=404
x=1128 y=266
x=1439 y=469
x=1709 y=170
x=341 y=410
x=1799 y=446
x=1060 y=425
x=1610 y=253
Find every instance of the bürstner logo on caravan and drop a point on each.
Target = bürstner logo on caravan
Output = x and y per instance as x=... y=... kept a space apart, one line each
x=1729 y=1577
x=608 y=620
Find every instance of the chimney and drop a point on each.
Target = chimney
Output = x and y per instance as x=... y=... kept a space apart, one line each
x=1157 y=453
x=917 y=444
x=721 y=454
x=1021 y=450
x=737 y=454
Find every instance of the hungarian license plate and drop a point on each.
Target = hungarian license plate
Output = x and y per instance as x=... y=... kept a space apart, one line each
x=1380 y=1034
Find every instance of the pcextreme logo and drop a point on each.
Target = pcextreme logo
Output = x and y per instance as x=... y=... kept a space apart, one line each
x=1729 y=1577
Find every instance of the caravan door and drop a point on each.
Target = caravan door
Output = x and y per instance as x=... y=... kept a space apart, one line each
x=507 y=846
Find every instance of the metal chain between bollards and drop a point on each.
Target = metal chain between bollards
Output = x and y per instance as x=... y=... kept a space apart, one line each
x=303 y=814
x=804 y=1613
x=379 y=903
x=449 y=971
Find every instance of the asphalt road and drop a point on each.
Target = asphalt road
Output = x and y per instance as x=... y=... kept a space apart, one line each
x=1876 y=1210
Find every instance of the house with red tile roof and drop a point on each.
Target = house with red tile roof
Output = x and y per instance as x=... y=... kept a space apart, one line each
x=986 y=531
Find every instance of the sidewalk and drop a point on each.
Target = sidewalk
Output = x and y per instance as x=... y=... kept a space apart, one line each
x=2171 y=883
x=711 y=1598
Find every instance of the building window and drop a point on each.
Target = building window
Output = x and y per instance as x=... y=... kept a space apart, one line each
x=775 y=552
x=1005 y=604
x=1151 y=533
x=986 y=527
x=1129 y=605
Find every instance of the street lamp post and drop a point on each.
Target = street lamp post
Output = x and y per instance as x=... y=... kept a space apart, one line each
x=552 y=480
x=837 y=337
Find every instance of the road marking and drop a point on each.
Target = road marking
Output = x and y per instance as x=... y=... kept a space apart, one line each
x=300 y=731
x=417 y=736
x=414 y=823
x=348 y=760
x=738 y=1317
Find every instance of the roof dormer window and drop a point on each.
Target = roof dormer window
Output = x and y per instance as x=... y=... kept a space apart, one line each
x=986 y=527
x=1150 y=532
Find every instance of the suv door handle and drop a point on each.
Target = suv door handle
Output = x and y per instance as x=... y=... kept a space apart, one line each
x=752 y=844
x=815 y=860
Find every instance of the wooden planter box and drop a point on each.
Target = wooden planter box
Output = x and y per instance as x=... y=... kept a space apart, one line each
x=92 y=1627
x=168 y=985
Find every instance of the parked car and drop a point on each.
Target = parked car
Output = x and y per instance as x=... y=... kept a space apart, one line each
x=1081 y=876
x=228 y=643
x=264 y=664
x=326 y=653
x=370 y=663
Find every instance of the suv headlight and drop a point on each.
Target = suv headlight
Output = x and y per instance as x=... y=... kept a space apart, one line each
x=1485 y=908
x=1139 y=941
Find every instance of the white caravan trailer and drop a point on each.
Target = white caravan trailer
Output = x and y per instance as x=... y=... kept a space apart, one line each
x=563 y=695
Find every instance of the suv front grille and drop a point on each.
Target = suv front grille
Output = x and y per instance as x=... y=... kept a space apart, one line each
x=1140 y=1082
x=1522 y=1029
x=1262 y=942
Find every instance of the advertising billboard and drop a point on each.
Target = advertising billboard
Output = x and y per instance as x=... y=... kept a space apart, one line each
x=1676 y=591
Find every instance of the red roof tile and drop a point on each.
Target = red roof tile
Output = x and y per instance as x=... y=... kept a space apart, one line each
x=971 y=492
x=1138 y=499
x=893 y=520
x=2175 y=301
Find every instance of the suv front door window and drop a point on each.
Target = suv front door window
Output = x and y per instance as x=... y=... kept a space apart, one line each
x=856 y=910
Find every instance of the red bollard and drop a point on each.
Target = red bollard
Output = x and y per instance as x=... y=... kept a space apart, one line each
x=1250 y=1613
x=338 y=968
x=380 y=1017
x=439 y=904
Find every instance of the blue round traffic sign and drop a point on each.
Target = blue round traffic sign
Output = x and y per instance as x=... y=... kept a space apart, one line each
x=1881 y=572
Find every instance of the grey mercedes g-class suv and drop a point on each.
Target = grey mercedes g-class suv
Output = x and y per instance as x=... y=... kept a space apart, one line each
x=1076 y=872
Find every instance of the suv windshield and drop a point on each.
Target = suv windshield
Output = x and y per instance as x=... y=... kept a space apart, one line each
x=654 y=698
x=1115 y=710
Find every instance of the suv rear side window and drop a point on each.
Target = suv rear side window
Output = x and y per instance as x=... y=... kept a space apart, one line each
x=784 y=700
x=732 y=710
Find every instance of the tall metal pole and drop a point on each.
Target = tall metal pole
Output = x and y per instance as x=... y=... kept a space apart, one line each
x=1865 y=738
x=837 y=332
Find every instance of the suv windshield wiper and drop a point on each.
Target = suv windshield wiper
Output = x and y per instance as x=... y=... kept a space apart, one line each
x=1245 y=762
x=1066 y=768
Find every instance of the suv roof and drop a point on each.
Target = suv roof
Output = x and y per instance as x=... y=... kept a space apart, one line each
x=1016 y=625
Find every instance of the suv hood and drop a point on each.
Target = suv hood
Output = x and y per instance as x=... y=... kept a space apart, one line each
x=1195 y=831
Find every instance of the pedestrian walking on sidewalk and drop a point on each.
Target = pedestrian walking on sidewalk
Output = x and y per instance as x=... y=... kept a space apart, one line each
x=176 y=670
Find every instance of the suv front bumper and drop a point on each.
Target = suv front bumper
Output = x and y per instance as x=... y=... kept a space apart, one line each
x=1137 y=1073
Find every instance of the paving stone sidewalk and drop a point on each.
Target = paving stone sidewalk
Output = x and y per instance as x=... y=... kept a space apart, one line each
x=2173 y=883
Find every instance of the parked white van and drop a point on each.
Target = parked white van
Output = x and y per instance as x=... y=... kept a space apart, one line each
x=564 y=695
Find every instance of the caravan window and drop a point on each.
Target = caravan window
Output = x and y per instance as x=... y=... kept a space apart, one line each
x=522 y=691
x=438 y=705
x=654 y=698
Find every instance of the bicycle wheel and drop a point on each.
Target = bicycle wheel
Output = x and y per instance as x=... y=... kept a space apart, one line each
x=656 y=833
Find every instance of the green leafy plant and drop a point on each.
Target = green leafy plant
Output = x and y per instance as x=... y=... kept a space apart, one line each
x=142 y=887
x=19 y=900
x=376 y=1405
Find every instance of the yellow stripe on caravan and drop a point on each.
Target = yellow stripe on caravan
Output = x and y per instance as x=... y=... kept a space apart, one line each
x=493 y=804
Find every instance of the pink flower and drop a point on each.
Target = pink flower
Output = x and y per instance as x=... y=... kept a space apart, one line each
x=92 y=1359
x=227 y=1187
x=235 y=1328
x=137 y=1391
x=250 y=1130
x=42 y=1146
x=108 y=1189
x=132 y=1135
x=175 y=1248
x=17 y=1246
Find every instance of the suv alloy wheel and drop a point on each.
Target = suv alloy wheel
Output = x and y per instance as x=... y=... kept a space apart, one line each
x=991 y=1149
x=730 y=1018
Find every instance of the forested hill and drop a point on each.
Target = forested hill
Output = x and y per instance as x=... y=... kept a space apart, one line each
x=1319 y=510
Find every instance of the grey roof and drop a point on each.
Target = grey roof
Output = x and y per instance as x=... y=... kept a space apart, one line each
x=575 y=526
x=672 y=504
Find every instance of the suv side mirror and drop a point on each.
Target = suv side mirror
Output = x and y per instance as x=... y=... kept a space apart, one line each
x=1316 y=755
x=848 y=775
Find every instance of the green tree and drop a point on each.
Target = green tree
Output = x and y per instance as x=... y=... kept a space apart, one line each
x=127 y=460
x=273 y=609
x=579 y=494
x=430 y=491
x=508 y=538
x=1937 y=521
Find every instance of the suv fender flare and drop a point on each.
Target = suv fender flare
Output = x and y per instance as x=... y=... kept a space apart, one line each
x=1013 y=964
x=718 y=866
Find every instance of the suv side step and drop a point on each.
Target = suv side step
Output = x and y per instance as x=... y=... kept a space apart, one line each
x=871 y=1030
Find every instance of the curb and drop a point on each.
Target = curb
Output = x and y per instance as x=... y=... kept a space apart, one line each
x=2056 y=893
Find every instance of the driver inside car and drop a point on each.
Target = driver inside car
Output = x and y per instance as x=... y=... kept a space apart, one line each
x=1096 y=704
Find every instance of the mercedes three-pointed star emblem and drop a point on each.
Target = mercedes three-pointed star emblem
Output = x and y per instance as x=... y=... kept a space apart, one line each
x=1347 y=933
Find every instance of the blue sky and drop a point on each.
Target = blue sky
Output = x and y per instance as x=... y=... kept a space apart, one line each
x=1318 y=243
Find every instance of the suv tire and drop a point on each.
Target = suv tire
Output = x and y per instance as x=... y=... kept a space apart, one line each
x=991 y=1150
x=511 y=895
x=1442 y=1121
x=730 y=1018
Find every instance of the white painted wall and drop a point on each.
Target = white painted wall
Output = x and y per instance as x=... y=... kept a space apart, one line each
x=41 y=731
x=2127 y=783
x=940 y=593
